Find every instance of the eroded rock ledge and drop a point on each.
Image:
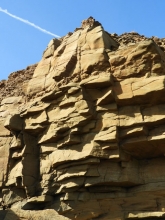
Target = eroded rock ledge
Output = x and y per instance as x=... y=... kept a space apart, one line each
x=83 y=137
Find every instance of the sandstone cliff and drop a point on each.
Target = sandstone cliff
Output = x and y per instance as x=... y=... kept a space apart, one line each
x=83 y=137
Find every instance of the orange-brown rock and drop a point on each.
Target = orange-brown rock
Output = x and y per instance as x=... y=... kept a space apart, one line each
x=84 y=138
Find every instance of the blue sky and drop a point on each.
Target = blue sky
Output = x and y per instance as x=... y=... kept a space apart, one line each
x=22 y=45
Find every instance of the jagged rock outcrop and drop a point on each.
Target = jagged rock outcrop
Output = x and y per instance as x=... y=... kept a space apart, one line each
x=86 y=136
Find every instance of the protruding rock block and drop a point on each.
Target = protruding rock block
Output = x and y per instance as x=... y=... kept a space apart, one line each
x=14 y=122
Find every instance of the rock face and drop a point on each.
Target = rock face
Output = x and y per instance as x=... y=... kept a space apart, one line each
x=83 y=138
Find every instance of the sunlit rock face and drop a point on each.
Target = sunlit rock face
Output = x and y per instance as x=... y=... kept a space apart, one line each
x=86 y=137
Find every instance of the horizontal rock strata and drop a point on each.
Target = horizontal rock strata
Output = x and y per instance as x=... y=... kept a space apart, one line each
x=83 y=136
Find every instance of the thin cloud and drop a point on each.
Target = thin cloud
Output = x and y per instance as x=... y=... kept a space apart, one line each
x=28 y=22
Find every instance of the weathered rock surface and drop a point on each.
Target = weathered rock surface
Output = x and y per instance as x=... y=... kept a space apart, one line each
x=83 y=138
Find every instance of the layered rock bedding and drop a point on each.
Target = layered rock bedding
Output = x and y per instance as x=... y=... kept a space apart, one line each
x=82 y=133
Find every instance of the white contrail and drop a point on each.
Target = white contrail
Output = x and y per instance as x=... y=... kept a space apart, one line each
x=27 y=22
